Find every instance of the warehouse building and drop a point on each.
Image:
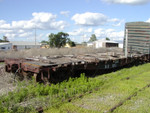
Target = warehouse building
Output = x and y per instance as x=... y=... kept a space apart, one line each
x=4 y=46
x=103 y=43
x=20 y=45
x=137 y=37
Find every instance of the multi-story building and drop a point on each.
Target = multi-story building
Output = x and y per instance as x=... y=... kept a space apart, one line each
x=138 y=37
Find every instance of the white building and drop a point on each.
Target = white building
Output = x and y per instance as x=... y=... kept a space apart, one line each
x=25 y=45
x=5 y=46
x=120 y=45
x=103 y=43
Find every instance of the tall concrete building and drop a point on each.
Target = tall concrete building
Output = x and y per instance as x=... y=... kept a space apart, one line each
x=137 y=37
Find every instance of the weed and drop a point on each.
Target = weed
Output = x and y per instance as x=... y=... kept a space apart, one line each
x=111 y=88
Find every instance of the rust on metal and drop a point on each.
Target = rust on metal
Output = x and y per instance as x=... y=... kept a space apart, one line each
x=51 y=68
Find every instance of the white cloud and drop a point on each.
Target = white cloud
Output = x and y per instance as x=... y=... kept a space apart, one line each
x=24 y=28
x=110 y=33
x=80 y=32
x=90 y=19
x=65 y=13
x=43 y=17
x=95 y=19
x=11 y=35
x=3 y=31
x=4 y=25
x=148 y=20
x=116 y=21
x=40 y=20
x=130 y=2
x=26 y=34
x=22 y=24
x=47 y=21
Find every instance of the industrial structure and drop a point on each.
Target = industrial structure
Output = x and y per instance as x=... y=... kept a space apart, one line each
x=103 y=43
x=5 y=46
x=137 y=37
x=20 y=45
x=54 y=69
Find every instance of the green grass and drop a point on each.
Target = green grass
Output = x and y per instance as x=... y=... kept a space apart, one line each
x=139 y=103
x=116 y=88
x=100 y=93
x=29 y=95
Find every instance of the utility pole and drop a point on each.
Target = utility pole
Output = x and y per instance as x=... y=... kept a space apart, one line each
x=126 y=44
x=83 y=38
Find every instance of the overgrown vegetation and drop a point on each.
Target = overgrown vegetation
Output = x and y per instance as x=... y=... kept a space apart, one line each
x=92 y=38
x=116 y=88
x=27 y=95
x=100 y=93
x=5 y=39
x=59 y=40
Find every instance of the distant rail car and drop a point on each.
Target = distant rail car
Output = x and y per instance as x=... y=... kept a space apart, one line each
x=58 y=68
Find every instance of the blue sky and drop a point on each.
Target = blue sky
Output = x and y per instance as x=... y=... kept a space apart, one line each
x=79 y=18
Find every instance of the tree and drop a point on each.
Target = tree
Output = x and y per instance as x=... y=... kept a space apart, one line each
x=84 y=43
x=58 y=40
x=44 y=42
x=71 y=43
x=92 y=38
x=107 y=38
x=5 y=39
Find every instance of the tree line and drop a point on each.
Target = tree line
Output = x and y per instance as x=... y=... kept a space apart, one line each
x=59 y=40
x=4 y=39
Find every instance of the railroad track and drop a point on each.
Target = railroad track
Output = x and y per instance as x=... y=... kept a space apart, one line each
x=126 y=99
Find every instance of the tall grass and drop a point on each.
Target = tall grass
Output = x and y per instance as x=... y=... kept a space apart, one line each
x=113 y=87
x=117 y=88
x=30 y=95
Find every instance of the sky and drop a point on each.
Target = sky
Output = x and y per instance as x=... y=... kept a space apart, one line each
x=20 y=20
